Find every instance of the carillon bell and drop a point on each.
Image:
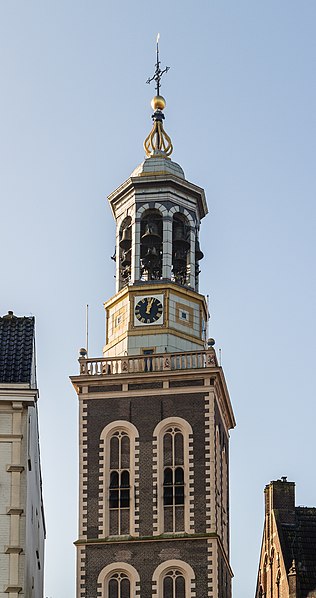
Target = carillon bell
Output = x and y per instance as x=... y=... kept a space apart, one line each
x=126 y=239
x=198 y=253
x=179 y=238
x=126 y=258
x=151 y=235
x=180 y=258
x=152 y=251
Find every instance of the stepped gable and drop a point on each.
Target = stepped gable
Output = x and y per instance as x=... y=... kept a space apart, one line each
x=16 y=348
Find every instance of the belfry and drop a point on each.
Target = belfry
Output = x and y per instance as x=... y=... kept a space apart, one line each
x=154 y=410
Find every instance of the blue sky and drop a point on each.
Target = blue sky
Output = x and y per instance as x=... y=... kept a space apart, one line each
x=74 y=112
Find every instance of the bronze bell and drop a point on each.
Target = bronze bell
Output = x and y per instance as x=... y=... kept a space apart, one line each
x=151 y=235
x=179 y=258
x=179 y=238
x=126 y=239
x=126 y=258
x=152 y=252
x=198 y=253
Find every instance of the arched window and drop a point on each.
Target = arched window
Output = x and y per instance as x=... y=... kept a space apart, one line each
x=119 y=586
x=173 y=480
x=118 y=476
x=173 y=584
x=173 y=579
x=119 y=487
x=173 y=487
x=118 y=580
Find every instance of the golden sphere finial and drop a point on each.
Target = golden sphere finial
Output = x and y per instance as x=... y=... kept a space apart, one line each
x=158 y=103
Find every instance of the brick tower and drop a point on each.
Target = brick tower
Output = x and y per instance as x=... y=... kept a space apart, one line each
x=155 y=413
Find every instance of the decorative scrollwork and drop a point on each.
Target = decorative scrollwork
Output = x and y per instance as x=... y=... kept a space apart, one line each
x=158 y=141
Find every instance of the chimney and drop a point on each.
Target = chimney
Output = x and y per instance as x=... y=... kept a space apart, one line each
x=280 y=496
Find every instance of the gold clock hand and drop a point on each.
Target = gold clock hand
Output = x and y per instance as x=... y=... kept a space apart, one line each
x=149 y=304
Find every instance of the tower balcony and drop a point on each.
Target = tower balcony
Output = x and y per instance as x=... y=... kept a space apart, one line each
x=126 y=375
x=146 y=364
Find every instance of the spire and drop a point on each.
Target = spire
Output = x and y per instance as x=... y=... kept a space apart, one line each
x=158 y=142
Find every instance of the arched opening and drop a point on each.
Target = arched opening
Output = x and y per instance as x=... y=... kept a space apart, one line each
x=174 y=484
x=151 y=237
x=125 y=255
x=173 y=584
x=198 y=257
x=118 y=580
x=173 y=579
x=117 y=471
x=180 y=248
x=173 y=480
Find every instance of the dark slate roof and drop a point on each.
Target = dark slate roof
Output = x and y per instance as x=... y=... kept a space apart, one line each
x=299 y=544
x=16 y=348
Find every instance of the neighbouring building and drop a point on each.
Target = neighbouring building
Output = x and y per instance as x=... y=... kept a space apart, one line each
x=22 y=526
x=287 y=566
x=154 y=410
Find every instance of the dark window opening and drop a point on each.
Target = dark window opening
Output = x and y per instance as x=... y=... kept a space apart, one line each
x=119 y=485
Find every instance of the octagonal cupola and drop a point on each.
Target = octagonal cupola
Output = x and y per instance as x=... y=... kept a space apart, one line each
x=158 y=213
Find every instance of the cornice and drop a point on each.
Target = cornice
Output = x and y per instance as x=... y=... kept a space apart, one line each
x=156 y=180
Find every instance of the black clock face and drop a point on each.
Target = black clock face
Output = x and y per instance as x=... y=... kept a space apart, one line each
x=148 y=310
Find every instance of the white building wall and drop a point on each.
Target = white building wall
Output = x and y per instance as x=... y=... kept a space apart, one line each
x=21 y=512
x=5 y=458
x=35 y=532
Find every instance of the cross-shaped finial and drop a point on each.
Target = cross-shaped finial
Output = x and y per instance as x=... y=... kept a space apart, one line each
x=158 y=72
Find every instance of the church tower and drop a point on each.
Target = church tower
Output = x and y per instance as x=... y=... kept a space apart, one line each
x=154 y=410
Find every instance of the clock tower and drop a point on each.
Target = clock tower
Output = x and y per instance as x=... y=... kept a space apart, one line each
x=154 y=410
x=157 y=306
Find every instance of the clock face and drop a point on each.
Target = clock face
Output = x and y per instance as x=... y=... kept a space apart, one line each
x=148 y=310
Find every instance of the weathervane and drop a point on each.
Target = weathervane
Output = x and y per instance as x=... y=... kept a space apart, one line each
x=158 y=72
x=158 y=143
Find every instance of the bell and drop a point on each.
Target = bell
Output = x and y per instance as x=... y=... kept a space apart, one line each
x=126 y=239
x=180 y=273
x=152 y=252
x=152 y=258
x=126 y=258
x=198 y=253
x=179 y=238
x=179 y=257
x=151 y=235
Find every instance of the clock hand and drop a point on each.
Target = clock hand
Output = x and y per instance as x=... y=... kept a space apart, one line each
x=149 y=304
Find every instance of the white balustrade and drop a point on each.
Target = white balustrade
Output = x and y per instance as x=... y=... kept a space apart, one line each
x=157 y=362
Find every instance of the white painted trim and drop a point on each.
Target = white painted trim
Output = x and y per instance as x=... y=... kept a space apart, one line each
x=176 y=210
x=159 y=207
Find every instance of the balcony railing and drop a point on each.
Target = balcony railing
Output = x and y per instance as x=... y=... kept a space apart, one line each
x=140 y=364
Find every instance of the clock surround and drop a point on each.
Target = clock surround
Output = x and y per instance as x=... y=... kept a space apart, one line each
x=148 y=310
